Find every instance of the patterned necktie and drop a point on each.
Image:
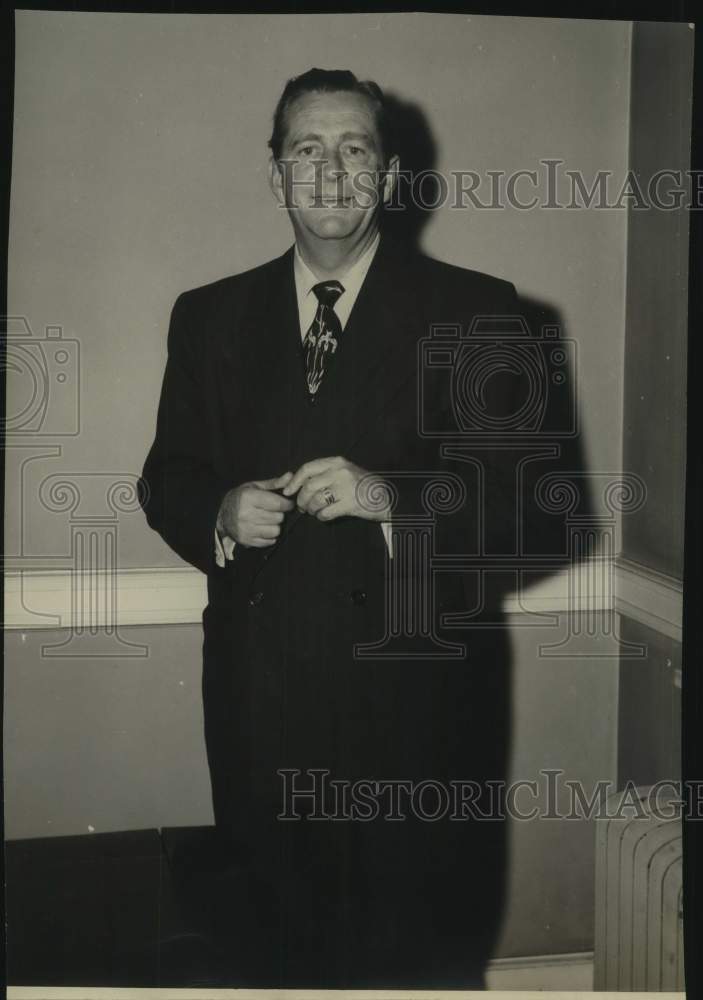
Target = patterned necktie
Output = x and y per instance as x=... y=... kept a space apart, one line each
x=322 y=338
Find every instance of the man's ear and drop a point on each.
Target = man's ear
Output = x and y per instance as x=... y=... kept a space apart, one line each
x=390 y=179
x=276 y=180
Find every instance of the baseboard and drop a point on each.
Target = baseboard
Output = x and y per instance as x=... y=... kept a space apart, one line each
x=572 y=971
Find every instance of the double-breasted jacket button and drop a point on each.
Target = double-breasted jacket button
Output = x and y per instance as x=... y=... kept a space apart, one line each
x=255 y=598
x=358 y=597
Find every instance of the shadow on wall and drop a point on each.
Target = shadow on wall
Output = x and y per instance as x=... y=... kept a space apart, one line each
x=556 y=522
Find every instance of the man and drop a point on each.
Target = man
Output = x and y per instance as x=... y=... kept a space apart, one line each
x=290 y=396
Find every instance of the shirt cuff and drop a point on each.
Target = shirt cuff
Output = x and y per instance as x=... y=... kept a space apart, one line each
x=224 y=549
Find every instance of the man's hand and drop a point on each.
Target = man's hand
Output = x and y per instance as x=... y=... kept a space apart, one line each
x=252 y=513
x=341 y=478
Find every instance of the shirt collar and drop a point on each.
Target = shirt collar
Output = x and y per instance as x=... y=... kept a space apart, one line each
x=351 y=279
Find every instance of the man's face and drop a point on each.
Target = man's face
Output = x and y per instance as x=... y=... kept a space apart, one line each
x=328 y=173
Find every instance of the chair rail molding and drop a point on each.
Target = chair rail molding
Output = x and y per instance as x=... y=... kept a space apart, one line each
x=36 y=599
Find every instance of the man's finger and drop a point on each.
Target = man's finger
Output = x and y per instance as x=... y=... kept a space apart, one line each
x=266 y=500
x=312 y=486
x=313 y=468
x=265 y=531
x=272 y=484
x=263 y=516
x=330 y=511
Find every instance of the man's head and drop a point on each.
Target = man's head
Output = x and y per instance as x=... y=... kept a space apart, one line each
x=333 y=161
x=328 y=81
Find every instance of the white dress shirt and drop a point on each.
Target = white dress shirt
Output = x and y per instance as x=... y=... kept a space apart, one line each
x=352 y=280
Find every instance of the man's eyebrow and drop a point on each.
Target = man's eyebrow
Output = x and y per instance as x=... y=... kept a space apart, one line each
x=316 y=137
x=306 y=138
x=358 y=135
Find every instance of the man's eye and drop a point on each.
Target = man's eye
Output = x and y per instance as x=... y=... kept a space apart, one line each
x=306 y=150
x=356 y=150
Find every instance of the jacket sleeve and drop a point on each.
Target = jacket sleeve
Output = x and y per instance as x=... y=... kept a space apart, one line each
x=180 y=490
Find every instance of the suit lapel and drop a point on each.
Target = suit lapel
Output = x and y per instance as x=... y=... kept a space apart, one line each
x=377 y=353
x=376 y=356
x=269 y=334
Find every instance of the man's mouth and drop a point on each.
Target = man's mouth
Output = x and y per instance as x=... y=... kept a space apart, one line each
x=331 y=201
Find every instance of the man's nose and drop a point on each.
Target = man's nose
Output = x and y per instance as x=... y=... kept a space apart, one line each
x=333 y=167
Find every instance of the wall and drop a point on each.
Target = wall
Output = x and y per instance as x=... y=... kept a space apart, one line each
x=654 y=400
x=657 y=282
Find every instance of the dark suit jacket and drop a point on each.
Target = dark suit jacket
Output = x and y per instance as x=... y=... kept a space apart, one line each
x=281 y=686
x=234 y=404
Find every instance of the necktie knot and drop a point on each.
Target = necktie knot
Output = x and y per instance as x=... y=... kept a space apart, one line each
x=327 y=292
